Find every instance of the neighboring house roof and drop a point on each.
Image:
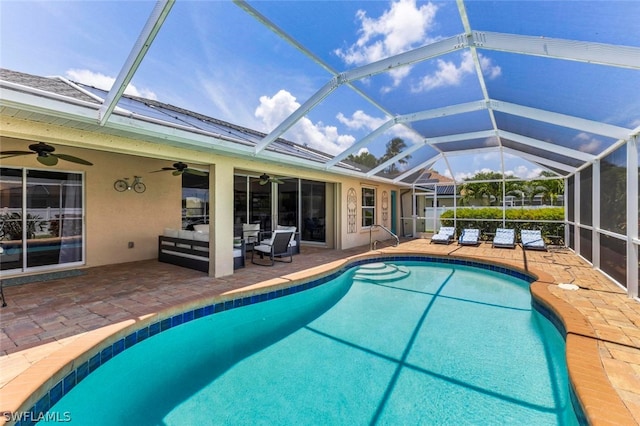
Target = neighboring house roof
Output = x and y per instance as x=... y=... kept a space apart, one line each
x=428 y=179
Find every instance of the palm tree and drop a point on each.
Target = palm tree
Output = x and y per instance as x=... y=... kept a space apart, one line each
x=492 y=191
x=394 y=147
x=549 y=189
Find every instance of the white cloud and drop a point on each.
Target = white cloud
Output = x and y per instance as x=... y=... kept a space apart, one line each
x=520 y=171
x=361 y=120
x=451 y=74
x=399 y=29
x=489 y=70
x=105 y=82
x=524 y=172
x=273 y=110
x=588 y=143
x=404 y=26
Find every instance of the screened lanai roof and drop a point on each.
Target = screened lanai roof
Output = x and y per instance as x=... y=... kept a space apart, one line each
x=515 y=87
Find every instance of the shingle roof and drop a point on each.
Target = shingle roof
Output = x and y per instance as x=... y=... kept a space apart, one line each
x=47 y=84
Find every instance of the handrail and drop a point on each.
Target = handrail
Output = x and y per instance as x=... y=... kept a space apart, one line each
x=372 y=244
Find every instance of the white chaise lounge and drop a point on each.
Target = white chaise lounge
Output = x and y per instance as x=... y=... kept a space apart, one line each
x=505 y=237
x=444 y=235
x=469 y=237
x=532 y=239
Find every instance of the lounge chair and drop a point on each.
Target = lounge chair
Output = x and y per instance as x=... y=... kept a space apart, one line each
x=532 y=239
x=469 y=237
x=505 y=237
x=444 y=235
x=276 y=248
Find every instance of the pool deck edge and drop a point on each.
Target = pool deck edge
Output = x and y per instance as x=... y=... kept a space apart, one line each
x=600 y=402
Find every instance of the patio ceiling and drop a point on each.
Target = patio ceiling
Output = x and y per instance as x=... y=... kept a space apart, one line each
x=501 y=86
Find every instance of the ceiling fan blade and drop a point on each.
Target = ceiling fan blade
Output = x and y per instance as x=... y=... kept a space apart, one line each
x=196 y=172
x=15 y=153
x=47 y=160
x=264 y=182
x=72 y=159
x=276 y=180
x=177 y=172
x=164 y=169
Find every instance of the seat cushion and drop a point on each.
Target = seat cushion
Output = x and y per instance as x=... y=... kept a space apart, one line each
x=170 y=232
x=264 y=248
x=201 y=228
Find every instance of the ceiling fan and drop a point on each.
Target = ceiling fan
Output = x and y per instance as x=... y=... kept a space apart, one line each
x=45 y=154
x=180 y=168
x=265 y=179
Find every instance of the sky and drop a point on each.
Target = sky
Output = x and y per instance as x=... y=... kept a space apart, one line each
x=214 y=58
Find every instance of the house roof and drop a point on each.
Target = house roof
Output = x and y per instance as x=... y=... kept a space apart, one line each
x=472 y=85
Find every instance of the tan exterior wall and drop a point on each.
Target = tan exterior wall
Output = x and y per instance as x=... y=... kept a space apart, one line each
x=363 y=236
x=113 y=219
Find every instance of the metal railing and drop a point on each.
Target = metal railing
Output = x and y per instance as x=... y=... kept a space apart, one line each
x=372 y=244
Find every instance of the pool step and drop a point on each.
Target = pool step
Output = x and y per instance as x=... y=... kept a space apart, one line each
x=380 y=272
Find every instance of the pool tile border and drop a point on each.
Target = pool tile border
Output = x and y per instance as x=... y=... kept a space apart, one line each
x=591 y=389
x=57 y=389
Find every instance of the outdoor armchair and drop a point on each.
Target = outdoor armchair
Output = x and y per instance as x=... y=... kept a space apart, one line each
x=278 y=247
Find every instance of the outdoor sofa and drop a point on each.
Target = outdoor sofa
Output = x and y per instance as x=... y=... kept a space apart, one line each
x=190 y=249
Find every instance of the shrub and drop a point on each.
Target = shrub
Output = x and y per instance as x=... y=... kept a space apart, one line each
x=477 y=218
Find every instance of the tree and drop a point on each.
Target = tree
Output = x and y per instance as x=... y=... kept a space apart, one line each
x=365 y=158
x=549 y=189
x=492 y=191
x=394 y=147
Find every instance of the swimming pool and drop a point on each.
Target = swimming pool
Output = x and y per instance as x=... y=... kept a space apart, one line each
x=445 y=343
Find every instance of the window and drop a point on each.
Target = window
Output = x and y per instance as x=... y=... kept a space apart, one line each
x=45 y=230
x=195 y=200
x=368 y=207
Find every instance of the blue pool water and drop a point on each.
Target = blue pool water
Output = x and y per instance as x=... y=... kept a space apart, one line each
x=444 y=345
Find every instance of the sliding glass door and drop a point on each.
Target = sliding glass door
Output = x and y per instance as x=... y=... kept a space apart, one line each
x=292 y=202
x=260 y=203
x=288 y=202
x=41 y=218
x=314 y=211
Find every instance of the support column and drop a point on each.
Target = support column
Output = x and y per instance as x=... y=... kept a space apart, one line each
x=595 y=215
x=632 y=217
x=576 y=214
x=221 y=220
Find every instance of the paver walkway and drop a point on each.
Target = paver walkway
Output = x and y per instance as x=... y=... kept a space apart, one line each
x=44 y=317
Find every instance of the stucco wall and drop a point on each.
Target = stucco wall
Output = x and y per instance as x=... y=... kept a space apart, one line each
x=362 y=236
x=115 y=218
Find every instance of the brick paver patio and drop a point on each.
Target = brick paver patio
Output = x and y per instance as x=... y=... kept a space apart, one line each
x=44 y=317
